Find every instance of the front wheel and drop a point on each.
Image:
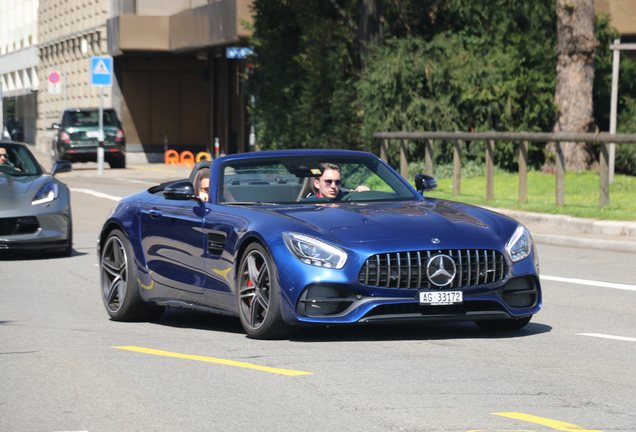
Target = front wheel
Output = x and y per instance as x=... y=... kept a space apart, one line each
x=504 y=324
x=120 y=290
x=259 y=296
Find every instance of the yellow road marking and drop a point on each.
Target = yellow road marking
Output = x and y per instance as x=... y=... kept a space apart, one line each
x=213 y=360
x=554 y=424
x=151 y=169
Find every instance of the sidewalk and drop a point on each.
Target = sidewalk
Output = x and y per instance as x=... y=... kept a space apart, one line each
x=560 y=230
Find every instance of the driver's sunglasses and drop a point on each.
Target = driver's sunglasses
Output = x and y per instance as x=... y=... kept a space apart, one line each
x=328 y=182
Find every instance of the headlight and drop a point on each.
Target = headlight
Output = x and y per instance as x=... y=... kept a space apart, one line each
x=47 y=193
x=520 y=244
x=314 y=252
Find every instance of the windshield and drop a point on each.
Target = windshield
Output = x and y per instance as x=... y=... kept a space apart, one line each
x=18 y=161
x=285 y=180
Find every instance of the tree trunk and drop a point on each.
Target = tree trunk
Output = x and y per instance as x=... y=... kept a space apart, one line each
x=370 y=29
x=575 y=80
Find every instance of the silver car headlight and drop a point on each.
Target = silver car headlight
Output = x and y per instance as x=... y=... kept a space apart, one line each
x=47 y=193
x=314 y=252
x=520 y=244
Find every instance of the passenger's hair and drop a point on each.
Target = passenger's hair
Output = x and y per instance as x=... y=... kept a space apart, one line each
x=201 y=174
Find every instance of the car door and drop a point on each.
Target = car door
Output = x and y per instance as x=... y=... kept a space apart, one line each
x=174 y=246
x=222 y=228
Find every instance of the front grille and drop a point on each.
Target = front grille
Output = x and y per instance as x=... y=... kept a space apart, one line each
x=407 y=270
x=19 y=225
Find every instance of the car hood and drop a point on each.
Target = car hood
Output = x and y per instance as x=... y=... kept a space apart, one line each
x=361 y=222
x=14 y=190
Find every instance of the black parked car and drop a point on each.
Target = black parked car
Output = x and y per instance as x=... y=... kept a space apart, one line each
x=77 y=137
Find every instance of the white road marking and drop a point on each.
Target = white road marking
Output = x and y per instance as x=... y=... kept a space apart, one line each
x=590 y=283
x=621 y=338
x=139 y=182
x=97 y=194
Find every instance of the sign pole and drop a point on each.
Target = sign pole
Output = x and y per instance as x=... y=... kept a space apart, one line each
x=100 y=149
x=101 y=75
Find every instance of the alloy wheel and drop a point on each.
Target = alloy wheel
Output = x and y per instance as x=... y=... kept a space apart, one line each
x=254 y=291
x=114 y=274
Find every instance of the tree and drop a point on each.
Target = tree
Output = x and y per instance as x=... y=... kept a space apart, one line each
x=575 y=80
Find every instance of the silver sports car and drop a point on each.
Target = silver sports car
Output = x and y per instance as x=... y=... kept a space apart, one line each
x=35 y=208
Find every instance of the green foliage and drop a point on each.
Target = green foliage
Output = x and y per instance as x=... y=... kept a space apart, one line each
x=465 y=65
x=625 y=161
x=305 y=63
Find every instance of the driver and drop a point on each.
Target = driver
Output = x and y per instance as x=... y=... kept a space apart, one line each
x=4 y=157
x=328 y=184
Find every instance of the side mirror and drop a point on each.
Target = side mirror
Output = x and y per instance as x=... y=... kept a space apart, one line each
x=180 y=191
x=61 y=166
x=55 y=126
x=425 y=183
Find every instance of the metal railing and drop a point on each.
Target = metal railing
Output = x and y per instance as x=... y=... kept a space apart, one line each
x=604 y=139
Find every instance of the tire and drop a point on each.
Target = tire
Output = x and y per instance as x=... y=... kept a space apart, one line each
x=118 y=279
x=504 y=324
x=67 y=250
x=57 y=155
x=118 y=162
x=259 y=296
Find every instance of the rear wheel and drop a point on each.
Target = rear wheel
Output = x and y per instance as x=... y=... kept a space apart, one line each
x=57 y=154
x=259 y=296
x=504 y=324
x=120 y=290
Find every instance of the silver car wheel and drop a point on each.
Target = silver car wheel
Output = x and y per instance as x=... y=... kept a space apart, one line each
x=114 y=274
x=254 y=289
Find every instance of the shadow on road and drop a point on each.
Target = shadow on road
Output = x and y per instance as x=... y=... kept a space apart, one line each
x=34 y=255
x=186 y=319
x=414 y=331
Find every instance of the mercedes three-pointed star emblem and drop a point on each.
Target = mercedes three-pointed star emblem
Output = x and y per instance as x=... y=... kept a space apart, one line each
x=441 y=270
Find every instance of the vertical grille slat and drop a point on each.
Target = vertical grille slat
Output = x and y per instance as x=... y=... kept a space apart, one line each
x=407 y=270
x=419 y=270
x=408 y=260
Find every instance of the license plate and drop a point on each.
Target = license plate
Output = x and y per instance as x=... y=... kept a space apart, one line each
x=435 y=298
x=92 y=134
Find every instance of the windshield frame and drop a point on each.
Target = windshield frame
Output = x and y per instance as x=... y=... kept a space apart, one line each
x=293 y=169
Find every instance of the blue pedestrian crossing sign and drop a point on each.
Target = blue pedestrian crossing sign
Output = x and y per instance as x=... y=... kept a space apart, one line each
x=102 y=71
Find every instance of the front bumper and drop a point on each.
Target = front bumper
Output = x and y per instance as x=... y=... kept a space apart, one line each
x=52 y=231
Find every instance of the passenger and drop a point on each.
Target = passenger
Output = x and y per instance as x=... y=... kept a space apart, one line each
x=328 y=184
x=202 y=184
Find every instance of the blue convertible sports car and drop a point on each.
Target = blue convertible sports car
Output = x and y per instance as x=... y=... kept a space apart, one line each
x=271 y=247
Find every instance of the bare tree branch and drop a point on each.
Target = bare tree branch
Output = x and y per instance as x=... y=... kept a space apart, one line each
x=346 y=17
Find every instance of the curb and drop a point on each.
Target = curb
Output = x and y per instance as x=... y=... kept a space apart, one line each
x=607 y=245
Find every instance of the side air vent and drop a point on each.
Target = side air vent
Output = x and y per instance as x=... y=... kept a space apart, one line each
x=216 y=243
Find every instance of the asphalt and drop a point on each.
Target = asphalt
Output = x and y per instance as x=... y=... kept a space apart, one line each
x=551 y=229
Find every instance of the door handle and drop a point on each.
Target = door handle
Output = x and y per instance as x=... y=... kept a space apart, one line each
x=155 y=213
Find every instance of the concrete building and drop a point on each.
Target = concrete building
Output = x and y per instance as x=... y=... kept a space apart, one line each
x=173 y=80
x=69 y=33
x=19 y=82
x=623 y=15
